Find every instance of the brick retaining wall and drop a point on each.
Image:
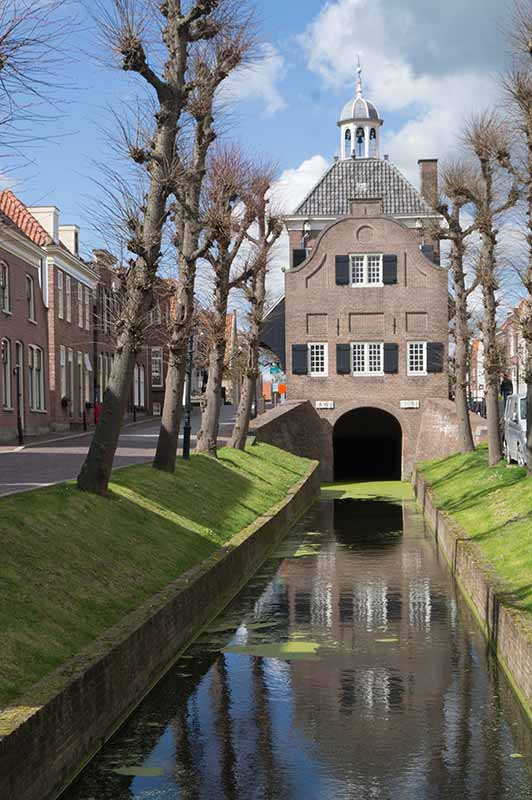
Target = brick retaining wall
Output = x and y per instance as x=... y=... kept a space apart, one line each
x=508 y=632
x=50 y=733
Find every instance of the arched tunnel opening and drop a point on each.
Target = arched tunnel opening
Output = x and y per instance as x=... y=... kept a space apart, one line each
x=368 y=445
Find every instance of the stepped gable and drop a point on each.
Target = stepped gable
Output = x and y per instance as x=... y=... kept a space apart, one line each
x=355 y=178
x=17 y=212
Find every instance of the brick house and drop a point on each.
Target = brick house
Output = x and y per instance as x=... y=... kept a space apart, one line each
x=23 y=332
x=366 y=304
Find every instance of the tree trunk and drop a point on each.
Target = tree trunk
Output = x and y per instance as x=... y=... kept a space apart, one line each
x=243 y=416
x=491 y=355
x=167 y=443
x=207 y=437
x=465 y=433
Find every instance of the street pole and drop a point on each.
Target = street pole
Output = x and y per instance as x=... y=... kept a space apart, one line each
x=188 y=399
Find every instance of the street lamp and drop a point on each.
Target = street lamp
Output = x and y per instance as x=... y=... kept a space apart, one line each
x=188 y=398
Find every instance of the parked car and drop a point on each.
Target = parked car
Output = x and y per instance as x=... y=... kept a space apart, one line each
x=515 y=448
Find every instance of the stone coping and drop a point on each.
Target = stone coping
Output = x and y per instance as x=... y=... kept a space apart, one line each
x=49 y=734
x=507 y=629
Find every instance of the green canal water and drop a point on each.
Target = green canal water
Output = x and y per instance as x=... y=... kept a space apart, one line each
x=348 y=668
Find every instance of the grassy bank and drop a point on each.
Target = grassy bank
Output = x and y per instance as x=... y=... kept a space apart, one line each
x=74 y=564
x=494 y=507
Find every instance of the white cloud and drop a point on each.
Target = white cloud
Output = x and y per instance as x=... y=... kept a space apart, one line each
x=258 y=82
x=389 y=40
x=287 y=193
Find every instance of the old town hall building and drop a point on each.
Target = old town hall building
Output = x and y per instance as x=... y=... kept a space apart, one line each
x=365 y=312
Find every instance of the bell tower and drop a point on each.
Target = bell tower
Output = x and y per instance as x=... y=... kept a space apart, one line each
x=360 y=126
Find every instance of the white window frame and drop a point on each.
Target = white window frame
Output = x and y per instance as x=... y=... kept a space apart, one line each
x=157 y=357
x=314 y=373
x=367 y=373
x=365 y=268
x=416 y=373
x=5 y=298
x=70 y=362
x=81 y=383
x=30 y=297
x=68 y=292
x=62 y=370
x=87 y=308
x=36 y=378
x=80 y=305
x=60 y=295
x=7 y=392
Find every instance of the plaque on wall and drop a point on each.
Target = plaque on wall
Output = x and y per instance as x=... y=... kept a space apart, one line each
x=410 y=404
x=324 y=404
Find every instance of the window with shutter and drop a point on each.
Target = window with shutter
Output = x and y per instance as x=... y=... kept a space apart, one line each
x=317 y=359
x=342 y=270
x=367 y=358
x=435 y=357
x=299 y=359
x=417 y=358
x=366 y=269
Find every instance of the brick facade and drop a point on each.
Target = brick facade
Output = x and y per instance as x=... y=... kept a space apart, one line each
x=413 y=309
x=23 y=337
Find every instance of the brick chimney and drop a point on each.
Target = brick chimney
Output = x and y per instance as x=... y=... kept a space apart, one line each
x=429 y=180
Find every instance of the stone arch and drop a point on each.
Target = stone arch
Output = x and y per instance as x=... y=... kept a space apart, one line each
x=368 y=442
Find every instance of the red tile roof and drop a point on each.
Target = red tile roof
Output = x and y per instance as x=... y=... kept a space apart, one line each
x=17 y=212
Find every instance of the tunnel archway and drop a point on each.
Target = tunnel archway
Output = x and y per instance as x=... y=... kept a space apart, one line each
x=368 y=445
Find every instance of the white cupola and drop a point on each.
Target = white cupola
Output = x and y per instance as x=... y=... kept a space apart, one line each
x=360 y=126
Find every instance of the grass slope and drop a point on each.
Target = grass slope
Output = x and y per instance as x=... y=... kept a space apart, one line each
x=74 y=564
x=493 y=505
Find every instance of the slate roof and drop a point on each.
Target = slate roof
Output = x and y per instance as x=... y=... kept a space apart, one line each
x=358 y=178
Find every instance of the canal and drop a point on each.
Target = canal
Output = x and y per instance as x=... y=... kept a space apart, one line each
x=347 y=668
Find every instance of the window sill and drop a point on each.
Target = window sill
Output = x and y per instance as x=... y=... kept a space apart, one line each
x=6 y=312
x=38 y=411
x=417 y=374
x=320 y=375
x=369 y=374
x=367 y=285
x=7 y=408
x=33 y=321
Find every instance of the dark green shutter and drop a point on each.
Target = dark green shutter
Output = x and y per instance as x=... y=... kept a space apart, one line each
x=391 y=359
x=435 y=357
x=343 y=359
x=428 y=252
x=298 y=256
x=343 y=277
x=389 y=270
x=299 y=359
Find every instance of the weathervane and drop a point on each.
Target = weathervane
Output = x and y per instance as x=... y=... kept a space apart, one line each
x=359 y=77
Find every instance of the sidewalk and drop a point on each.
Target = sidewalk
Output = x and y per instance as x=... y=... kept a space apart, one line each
x=32 y=440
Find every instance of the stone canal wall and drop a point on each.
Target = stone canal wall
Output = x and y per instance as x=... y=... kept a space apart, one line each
x=509 y=634
x=53 y=731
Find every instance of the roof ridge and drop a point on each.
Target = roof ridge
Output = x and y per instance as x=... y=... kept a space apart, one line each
x=24 y=220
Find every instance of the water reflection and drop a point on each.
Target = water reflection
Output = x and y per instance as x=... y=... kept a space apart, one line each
x=375 y=684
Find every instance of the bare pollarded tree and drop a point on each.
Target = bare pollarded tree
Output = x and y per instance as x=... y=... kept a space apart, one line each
x=212 y=64
x=457 y=178
x=266 y=231
x=173 y=27
x=485 y=137
x=230 y=213
x=31 y=37
x=517 y=85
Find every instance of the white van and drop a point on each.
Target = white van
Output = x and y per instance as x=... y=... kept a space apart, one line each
x=515 y=448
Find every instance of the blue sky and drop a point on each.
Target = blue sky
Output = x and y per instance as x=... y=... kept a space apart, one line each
x=422 y=69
